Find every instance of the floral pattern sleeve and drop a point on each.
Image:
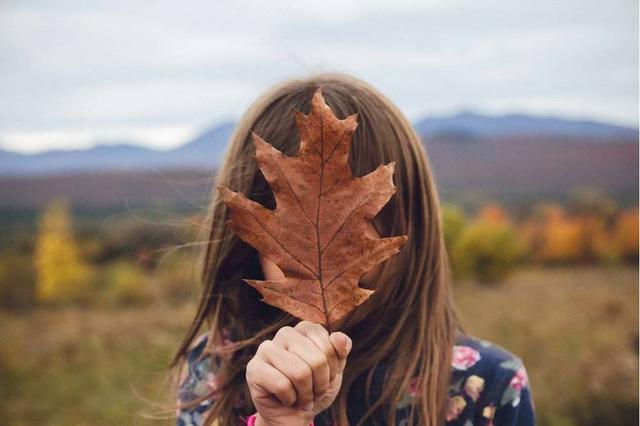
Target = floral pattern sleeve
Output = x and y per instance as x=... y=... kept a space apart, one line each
x=195 y=384
x=198 y=383
x=516 y=402
x=489 y=386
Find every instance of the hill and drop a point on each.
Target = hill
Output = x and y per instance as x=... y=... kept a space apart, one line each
x=506 y=158
x=471 y=124
x=207 y=150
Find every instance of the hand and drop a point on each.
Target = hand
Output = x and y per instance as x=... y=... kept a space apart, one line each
x=297 y=375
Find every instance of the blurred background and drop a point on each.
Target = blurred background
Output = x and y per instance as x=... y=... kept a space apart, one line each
x=114 y=117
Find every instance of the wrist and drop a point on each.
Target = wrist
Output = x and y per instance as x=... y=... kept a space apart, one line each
x=257 y=420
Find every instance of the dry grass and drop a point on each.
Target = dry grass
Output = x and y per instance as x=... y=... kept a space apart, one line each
x=81 y=367
x=576 y=329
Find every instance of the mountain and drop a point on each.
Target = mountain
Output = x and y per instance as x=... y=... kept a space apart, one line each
x=460 y=143
x=534 y=165
x=508 y=169
x=102 y=156
x=205 y=151
x=503 y=158
x=471 y=125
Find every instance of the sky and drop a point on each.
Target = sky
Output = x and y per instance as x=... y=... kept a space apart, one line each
x=156 y=73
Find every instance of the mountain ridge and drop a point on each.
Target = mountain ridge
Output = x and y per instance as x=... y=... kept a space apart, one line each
x=207 y=149
x=483 y=125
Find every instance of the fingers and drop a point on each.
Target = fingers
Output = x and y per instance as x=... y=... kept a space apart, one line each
x=320 y=337
x=299 y=364
x=294 y=368
x=342 y=345
x=270 y=381
x=295 y=342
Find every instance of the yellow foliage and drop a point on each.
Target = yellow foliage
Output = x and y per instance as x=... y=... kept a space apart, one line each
x=62 y=274
x=126 y=284
x=453 y=222
x=488 y=251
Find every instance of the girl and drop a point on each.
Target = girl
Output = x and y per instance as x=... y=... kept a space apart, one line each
x=401 y=358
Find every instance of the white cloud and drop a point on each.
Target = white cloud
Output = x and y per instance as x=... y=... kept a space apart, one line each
x=158 y=137
x=83 y=69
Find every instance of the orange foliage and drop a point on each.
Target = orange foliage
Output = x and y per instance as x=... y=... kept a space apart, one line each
x=597 y=243
x=625 y=234
x=494 y=214
x=555 y=236
x=562 y=236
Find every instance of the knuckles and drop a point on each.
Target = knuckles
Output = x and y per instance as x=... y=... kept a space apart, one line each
x=252 y=370
x=301 y=375
x=319 y=361
x=283 y=390
x=285 y=332
x=304 y=325
x=265 y=347
x=312 y=327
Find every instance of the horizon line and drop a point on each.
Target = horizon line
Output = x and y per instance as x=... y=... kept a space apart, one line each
x=197 y=131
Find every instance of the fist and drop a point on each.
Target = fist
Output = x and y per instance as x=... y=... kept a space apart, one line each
x=297 y=375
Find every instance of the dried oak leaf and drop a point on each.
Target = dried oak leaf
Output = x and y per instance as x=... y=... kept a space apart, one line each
x=320 y=233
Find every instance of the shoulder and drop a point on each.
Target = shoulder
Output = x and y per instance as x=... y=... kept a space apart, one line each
x=487 y=381
x=197 y=383
x=479 y=355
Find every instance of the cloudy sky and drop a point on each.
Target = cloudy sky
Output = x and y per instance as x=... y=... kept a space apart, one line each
x=159 y=72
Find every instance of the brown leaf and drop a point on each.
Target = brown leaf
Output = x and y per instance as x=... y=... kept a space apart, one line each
x=320 y=234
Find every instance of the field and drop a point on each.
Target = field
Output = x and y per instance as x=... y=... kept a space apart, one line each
x=575 y=328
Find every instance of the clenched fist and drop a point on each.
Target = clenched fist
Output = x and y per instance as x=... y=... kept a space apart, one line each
x=297 y=375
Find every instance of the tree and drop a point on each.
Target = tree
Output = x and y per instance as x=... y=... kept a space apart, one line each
x=626 y=235
x=488 y=249
x=126 y=284
x=453 y=222
x=592 y=202
x=563 y=237
x=62 y=274
x=493 y=213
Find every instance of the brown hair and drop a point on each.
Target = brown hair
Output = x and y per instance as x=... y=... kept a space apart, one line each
x=409 y=324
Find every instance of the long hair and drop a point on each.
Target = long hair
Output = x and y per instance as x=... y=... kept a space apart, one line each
x=409 y=324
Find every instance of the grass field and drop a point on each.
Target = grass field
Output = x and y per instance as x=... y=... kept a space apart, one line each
x=576 y=330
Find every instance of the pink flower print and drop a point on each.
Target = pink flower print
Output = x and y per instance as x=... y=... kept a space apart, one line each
x=413 y=387
x=473 y=386
x=464 y=357
x=520 y=379
x=213 y=382
x=455 y=405
x=517 y=383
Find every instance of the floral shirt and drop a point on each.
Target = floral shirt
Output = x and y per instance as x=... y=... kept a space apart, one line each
x=489 y=387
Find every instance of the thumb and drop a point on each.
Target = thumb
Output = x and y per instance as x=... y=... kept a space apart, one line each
x=342 y=345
